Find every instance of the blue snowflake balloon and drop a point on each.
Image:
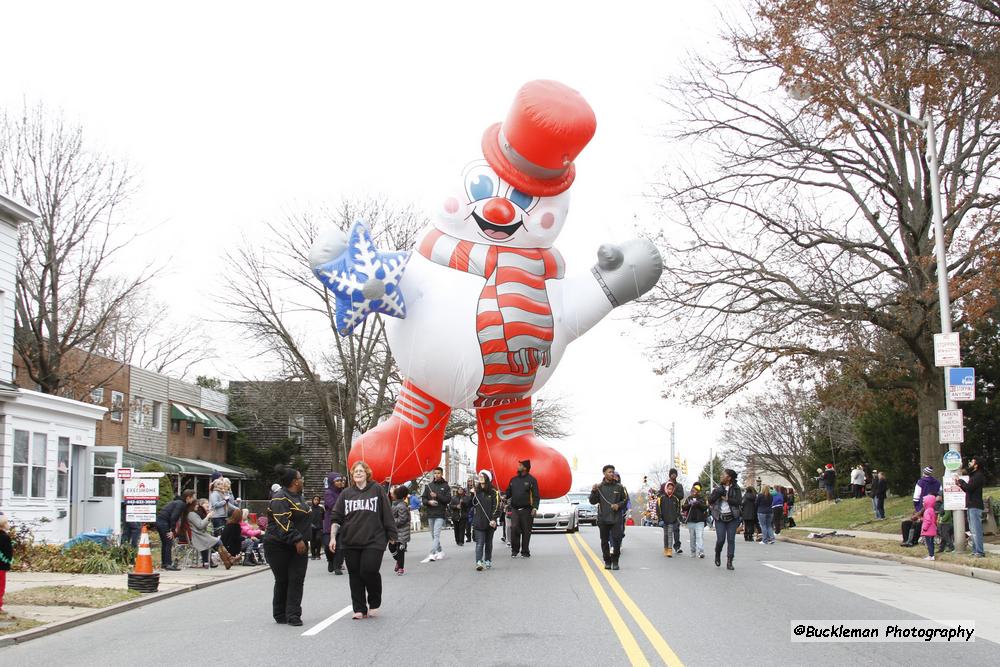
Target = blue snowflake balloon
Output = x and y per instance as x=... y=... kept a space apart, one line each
x=364 y=280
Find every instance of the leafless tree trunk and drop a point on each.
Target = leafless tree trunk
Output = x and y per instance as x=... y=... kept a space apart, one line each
x=804 y=229
x=70 y=303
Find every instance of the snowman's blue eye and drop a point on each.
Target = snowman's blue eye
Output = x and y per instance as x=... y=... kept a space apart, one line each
x=480 y=187
x=521 y=199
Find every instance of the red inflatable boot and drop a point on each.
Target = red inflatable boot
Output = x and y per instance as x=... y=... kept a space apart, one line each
x=506 y=436
x=408 y=444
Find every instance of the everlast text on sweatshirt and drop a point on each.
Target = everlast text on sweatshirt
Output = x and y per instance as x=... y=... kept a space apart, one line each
x=365 y=518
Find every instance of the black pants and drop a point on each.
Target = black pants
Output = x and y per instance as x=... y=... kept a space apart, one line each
x=777 y=518
x=289 y=569
x=521 y=522
x=316 y=543
x=399 y=555
x=946 y=531
x=336 y=558
x=749 y=527
x=166 y=545
x=677 y=534
x=461 y=526
x=611 y=536
x=365 y=580
x=468 y=529
x=911 y=531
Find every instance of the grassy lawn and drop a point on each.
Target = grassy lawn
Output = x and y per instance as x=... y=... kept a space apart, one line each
x=891 y=547
x=857 y=514
x=70 y=596
x=11 y=624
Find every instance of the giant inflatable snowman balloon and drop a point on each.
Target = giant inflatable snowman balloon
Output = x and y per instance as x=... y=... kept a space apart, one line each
x=484 y=307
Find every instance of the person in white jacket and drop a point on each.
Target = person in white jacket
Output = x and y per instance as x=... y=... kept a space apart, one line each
x=858 y=481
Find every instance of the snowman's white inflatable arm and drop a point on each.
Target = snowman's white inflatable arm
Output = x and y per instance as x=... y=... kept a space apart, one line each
x=623 y=273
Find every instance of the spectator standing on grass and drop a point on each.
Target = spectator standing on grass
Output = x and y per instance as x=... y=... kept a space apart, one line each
x=858 y=481
x=332 y=486
x=166 y=523
x=974 y=505
x=879 y=489
x=436 y=498
x=927 y=485
x=945 y=527
x=789 y=507
x=6 y=555
x=830 y=482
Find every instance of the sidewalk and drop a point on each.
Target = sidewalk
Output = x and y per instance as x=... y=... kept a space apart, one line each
x=57 y=618
x=892 y=537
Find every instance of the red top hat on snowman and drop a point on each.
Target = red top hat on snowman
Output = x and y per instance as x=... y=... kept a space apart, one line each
x=533 y=149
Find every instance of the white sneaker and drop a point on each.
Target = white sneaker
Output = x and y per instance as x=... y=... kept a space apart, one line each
x=428 y=559
x=928 y=557
x=439 y=555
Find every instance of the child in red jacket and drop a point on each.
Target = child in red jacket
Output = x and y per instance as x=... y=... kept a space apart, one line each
x=928 y=525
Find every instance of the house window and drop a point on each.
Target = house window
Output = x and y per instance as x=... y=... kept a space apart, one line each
x=117 y=406
x=205 y=433
x=39 y=442
x=137 y=404
x=62 y=469
x=104 y=462
x=190 y=428
x=296 y=424
x=97 y=395
x=21 y=452
x=221 y=435
x=157 y=416
x=175 y=425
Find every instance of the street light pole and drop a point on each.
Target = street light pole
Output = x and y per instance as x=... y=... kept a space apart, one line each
x=670 y=463
x=944 y=299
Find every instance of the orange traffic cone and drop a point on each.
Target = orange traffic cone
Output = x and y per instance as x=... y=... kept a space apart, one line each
x=142 y=578
x=144 y=559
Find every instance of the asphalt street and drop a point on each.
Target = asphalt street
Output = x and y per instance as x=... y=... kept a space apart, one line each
x=558 y=608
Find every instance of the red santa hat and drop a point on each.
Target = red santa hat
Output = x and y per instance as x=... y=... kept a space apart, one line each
x=533 y=149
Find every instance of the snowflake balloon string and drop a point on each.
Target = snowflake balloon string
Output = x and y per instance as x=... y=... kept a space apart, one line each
x=364 y=280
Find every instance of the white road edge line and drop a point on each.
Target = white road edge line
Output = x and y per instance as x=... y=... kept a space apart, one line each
x=781 y=569
x=323 y=625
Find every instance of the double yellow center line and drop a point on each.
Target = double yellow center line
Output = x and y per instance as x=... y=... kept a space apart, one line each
x=618 y=624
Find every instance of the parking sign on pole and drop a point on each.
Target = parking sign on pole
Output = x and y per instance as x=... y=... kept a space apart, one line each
x=961 y=384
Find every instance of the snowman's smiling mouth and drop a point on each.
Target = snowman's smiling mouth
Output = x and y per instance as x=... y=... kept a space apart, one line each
x=497 y=232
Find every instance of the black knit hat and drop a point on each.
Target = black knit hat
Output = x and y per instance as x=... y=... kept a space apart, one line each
x=526 y=463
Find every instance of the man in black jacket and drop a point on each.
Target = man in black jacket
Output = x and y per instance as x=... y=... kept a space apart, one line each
x=436 y=497
x=879 y=489
x=609 y=497
x=459 y=505
x=523 y=494
x=974 y=505
x=166 y=521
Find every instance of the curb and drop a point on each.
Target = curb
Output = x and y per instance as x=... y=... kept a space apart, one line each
x=98 y=614
x=951 y=568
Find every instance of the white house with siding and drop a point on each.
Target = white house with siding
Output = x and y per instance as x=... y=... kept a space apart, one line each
x=51 y=472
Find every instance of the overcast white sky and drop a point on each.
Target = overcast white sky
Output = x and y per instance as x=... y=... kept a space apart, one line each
x=234 y=113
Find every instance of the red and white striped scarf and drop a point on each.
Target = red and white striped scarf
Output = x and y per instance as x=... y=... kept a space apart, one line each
x=513 y=317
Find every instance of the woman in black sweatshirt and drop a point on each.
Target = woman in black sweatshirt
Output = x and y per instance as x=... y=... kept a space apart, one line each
x=362 y=525
x=285 y=546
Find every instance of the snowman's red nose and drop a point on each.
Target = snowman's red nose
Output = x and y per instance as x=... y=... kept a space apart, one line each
x=499 y=211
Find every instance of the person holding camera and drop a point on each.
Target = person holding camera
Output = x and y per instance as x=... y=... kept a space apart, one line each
x=726 y=500
x=610 y=497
